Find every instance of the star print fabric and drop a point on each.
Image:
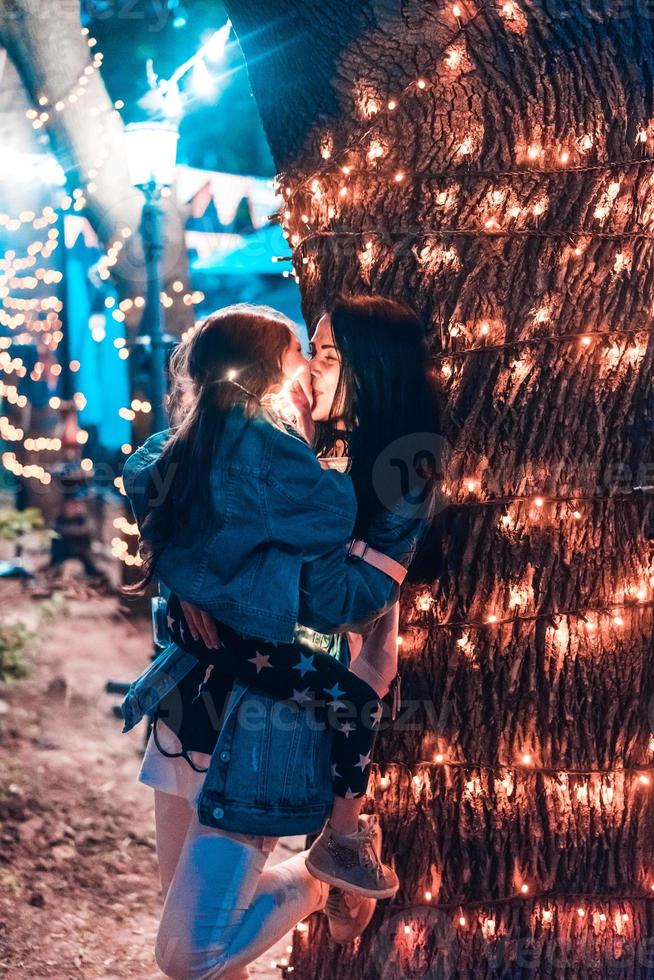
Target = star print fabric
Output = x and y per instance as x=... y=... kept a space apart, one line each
x=292 y=672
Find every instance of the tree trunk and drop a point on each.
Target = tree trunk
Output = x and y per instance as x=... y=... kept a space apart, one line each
x=508 y=195
x=55 y=62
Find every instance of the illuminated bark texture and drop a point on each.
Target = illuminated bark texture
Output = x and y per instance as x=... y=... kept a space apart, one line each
x=470 y=199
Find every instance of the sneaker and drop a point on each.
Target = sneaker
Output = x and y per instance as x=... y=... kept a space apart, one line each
x=348 y=914
x=351 y=862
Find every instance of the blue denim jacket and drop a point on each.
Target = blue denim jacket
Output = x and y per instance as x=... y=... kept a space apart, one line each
x=245 y=788
x=270 y=769
x=275 y=508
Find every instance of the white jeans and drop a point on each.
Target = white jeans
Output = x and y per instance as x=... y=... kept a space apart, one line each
x=222 y=907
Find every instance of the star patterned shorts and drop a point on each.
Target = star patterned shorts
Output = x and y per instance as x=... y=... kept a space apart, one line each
x=292 y=672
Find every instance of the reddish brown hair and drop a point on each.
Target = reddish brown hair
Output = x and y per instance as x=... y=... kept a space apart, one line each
x=244 y=343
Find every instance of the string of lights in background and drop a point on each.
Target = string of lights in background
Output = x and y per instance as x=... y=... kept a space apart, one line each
x=40 y=314
x=29 y=318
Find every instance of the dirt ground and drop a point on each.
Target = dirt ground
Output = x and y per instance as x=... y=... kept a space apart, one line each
x=79 y=889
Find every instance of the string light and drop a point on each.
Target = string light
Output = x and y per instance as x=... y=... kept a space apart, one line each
x=584 y=339
x=493 y=619
x=514 y=768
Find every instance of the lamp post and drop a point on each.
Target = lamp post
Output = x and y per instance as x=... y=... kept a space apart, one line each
x=151 y=157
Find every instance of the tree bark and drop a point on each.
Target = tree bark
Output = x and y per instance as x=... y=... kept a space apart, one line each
x=523 y=212
x=44 y=40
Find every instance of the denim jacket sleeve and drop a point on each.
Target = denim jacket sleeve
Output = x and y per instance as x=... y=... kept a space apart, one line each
x=338 y=593
x=309 y=509
x=137 y=471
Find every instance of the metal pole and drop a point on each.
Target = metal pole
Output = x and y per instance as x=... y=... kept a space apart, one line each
x=66 y=383
x=153 y=246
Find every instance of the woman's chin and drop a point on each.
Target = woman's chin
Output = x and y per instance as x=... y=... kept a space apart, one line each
x=319 y=412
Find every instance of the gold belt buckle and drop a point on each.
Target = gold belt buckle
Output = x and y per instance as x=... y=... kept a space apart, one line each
x=317 y=641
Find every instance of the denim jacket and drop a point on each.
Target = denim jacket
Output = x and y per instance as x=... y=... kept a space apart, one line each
x=274 y=508
x=245 y=788
x=270 y=769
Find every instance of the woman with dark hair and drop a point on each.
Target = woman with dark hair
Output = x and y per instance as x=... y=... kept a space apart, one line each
x=370 y=389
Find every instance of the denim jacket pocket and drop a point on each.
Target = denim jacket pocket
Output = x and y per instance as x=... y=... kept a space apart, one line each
x=160 y=678
x=269 y=772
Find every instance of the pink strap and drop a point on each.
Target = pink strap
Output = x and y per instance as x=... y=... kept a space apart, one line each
x=363 y=552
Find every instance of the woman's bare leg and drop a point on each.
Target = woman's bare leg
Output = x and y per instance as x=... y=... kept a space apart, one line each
x=172 y=817
x=344 y=818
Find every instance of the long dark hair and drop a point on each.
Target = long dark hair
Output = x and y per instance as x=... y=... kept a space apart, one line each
x=234 y=357
x=386 y=385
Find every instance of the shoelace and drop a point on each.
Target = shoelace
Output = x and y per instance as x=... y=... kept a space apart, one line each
x=368 y=855
x=335 y=905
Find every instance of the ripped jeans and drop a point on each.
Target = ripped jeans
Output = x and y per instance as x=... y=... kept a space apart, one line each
x=222 y=907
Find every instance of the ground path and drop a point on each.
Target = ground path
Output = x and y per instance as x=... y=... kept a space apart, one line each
x=79 y=891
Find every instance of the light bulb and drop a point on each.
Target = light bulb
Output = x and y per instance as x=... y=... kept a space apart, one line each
x=202 y=81
x=453 y=58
